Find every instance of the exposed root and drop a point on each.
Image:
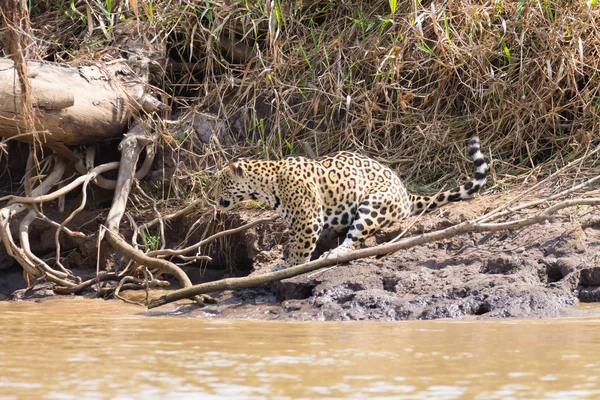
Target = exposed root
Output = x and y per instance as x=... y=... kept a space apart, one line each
x=132 y=283
x=130 y=147
x=111 y=184
x=64 y=279
x=33 y=266
x=103 y=277
x=64 y=190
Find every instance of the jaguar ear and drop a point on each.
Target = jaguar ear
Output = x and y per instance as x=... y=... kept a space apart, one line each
x=237 y=170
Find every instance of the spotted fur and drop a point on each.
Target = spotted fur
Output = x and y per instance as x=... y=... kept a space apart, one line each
x=343 y=190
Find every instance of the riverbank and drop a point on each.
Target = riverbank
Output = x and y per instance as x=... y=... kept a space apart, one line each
x=534 y=272
x=538 y=271
x=407 y=85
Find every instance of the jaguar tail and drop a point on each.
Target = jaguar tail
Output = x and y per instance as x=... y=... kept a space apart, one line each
x=462 y=192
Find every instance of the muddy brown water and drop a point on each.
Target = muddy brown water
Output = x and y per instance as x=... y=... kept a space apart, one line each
x=98 y=349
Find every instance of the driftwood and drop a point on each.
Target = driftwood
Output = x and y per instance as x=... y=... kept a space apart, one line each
x=75 y=105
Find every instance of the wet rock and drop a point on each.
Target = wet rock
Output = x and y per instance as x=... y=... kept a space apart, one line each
x=590 y=276
x=259 y=294
x=504 y=265
x=590 y=294
x=328 y=293
x=11 y=280
x=41 y=290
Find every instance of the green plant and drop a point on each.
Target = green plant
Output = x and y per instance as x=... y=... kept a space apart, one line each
x=393 y=4
x=151 y=241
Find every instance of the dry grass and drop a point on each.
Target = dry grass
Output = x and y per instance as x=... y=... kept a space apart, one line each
x=408 y=88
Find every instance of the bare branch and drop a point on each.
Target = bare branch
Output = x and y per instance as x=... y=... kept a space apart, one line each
x=179 y=252
x=498 y=212
x=174 y=215
x=468 y=226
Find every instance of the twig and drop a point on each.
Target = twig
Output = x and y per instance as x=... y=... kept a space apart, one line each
x=55 y=224
x=170 y=252
x=176 y=214
x=498 y=212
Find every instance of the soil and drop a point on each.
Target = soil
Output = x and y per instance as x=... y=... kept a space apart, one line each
x=537 y=271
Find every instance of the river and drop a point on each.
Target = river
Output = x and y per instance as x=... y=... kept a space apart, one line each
x=71 y=349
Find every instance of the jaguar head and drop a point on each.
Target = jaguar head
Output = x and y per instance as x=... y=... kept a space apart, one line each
x=232 y=186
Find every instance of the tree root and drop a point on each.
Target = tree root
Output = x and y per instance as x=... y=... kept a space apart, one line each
x=32 y=266
x=111 y=184
x=65 y=281
x=103 y=277
x=131 y=147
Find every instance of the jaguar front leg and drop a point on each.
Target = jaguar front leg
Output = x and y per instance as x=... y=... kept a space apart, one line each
x=301 y=207
x=306 y=237
x=286 y=263
x=303 y=241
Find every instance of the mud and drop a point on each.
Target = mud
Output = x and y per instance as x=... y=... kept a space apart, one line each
x=537 y=271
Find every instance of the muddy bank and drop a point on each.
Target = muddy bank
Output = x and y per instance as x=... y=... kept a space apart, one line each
x=537 y=271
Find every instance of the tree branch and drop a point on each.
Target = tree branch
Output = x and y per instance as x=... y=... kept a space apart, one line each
x=468 y=226
x=178 y=252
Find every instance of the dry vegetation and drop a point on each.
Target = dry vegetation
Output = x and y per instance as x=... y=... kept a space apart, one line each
x=404 y=82
x=408 y=87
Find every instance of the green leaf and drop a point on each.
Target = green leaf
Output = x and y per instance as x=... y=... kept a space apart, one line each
x=393 y=6
x=446 y=25
x=506 y=50
x=423 y=47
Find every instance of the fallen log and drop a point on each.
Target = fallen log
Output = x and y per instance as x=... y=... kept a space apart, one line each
x=73 y=105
